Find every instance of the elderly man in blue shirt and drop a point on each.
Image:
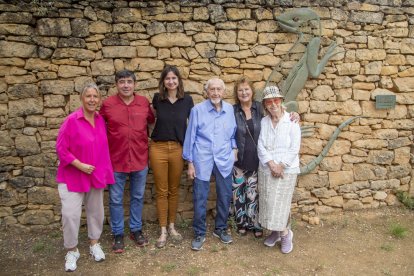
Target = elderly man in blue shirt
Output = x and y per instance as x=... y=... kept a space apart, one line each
x=210 y=148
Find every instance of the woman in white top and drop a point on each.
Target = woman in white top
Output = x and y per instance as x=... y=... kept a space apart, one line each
x=278 y=150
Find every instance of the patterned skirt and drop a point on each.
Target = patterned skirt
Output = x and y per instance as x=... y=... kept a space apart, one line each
x=275 y=200
x=245 y=199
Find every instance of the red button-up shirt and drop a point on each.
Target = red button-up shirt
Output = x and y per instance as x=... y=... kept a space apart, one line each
x=127 y=132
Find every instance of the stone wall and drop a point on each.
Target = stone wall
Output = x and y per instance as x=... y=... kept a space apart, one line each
x=48 y=52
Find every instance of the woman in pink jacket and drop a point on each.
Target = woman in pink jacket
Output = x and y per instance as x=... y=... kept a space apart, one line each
x=84 y=171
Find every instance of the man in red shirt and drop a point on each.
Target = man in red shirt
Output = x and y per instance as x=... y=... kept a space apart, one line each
x=127 y=116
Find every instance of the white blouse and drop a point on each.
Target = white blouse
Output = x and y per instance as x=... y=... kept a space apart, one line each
x=281 y=144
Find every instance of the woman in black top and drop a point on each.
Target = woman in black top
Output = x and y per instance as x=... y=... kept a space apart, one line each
x=248 y=115
x=172 y=107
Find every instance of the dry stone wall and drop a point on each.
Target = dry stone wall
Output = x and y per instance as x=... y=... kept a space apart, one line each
x=49 y=50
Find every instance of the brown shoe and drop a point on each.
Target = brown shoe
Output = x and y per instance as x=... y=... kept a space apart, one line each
x=139 y=238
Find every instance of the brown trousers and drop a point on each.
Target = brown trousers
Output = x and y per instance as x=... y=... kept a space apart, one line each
x=167 y=165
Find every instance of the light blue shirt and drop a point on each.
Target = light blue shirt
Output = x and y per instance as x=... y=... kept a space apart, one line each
x=210 y=138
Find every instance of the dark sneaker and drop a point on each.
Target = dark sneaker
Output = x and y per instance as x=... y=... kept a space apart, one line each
x=223 y=236
x=118 y=245
x=272 y=239
x=197 y=243
x=139 y=238
x=287 y=242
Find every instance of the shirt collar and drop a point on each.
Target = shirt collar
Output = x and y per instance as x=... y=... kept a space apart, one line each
x=211 y=107
x=122 y=102
x=79 y=113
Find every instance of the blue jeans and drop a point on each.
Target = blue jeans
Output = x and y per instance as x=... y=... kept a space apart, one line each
x=137 y=182
x=200 y=193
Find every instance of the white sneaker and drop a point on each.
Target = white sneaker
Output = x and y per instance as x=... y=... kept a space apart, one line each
x=96 y=252
x=71 y=258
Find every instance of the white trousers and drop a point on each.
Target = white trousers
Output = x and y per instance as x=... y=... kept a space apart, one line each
x=72 y=211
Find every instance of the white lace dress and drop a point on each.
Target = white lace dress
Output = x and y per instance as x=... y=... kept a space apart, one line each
x=281 y=144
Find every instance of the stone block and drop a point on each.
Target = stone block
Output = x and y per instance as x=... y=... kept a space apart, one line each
x=399 y=171
x=380 y=195
x=331 y=164
x=80 y=27
x=144 y=65
x=206 y=50
x=54 y=101
x=234 y=14
x=9 y=197
x=404 y=84
x=369 y=110
x=324 y=192
x=311 y=181
x=267 y=60
x=373 y=68
x=16 y=17
x=407 y=46
x=340 y=178
x=54 y=27
x=312 y=146
x=126 y=15
x=26 y=145
x=21 y=91
x=201 y=13
x=217 y=13
x=226 y=36
x=16 y=29
x=119 y=52
x=23 y=107
x=74 y=53
x=363 y=172
x=43 y=195
x=402 y=155
x=71 y=42
x=103 y=67
x=336 y=201
x=37 y=217
x=23 y=182
x=69 y=71
x=246 y=37
x=353 y=204
x=168 y=40
x=59 y=87
x=324 y=107
x=348 y=68
x=17 y=49
x=322 y=92
x=382 y=157
x=366 y=17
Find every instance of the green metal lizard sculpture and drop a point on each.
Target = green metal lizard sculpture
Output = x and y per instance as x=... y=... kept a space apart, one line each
x=306 y=67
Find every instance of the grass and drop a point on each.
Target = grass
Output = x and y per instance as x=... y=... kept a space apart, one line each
x=194 y=270
x=398 y=231
x=184 y=224
x=214 y=248
x=168 y=267
x=272 y=272
x=42 y=246
x=293 y=223
x=387 y=247
x=405 y=199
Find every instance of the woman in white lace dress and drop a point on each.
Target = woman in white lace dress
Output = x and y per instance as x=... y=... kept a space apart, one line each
x=278 y=150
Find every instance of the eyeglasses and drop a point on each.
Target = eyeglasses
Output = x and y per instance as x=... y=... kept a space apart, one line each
x=274 y=101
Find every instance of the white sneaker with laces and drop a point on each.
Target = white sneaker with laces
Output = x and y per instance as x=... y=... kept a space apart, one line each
x=71 y=259
x=96 y=252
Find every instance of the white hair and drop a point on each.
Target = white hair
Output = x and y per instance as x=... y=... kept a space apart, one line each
x=220 y=81
x=90 y=85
